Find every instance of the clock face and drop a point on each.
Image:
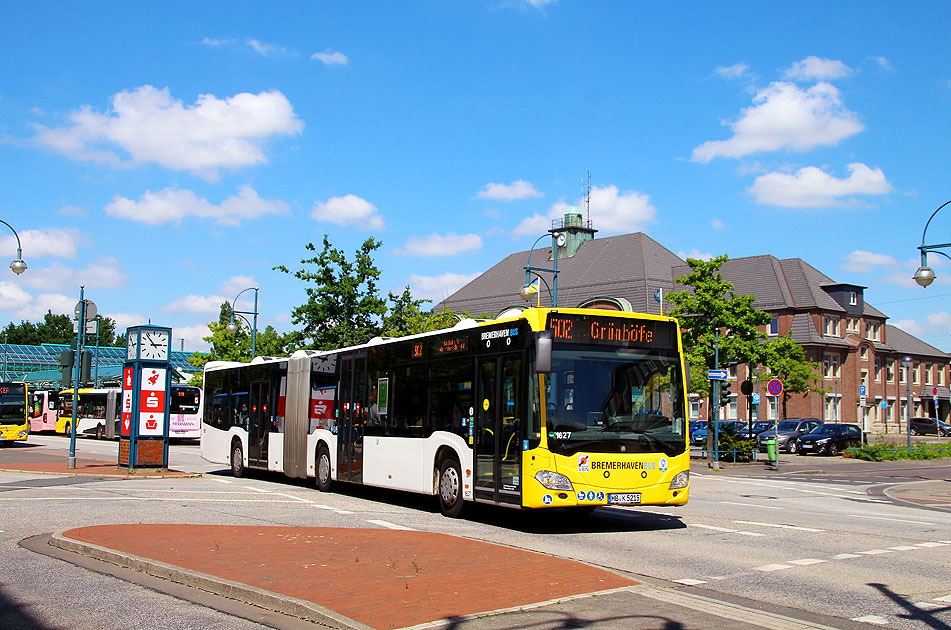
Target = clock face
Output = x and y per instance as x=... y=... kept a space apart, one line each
x=133 y=345
x=155 y=345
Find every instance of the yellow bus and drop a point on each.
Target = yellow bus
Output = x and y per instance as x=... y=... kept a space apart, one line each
x=98 y=412
x=569 y=408
x=14 y=418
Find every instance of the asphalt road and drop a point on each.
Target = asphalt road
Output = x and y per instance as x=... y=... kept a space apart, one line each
x=831 y=545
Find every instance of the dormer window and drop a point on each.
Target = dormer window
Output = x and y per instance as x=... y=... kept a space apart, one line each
x=853 y=298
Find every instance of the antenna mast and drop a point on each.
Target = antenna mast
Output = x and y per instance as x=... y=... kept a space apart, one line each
x=587 y=200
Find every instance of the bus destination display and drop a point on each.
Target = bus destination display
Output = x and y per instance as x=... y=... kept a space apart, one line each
x=450 y=345
x=612 y=331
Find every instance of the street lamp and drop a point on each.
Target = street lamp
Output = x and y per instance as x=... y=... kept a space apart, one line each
x=907 y=362
x=925 y=275
x=527 y=291
x=233 y=328
x=18 y=266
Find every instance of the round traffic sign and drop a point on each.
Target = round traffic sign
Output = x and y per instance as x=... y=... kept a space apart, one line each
x=775 y=387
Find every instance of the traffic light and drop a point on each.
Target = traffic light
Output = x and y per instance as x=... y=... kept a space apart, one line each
x=724 y=393
x=85 y=367
x=66 y=358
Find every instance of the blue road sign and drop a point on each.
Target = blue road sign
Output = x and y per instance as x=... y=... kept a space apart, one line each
x=861 y=390
x=716 y=375
x=755 y=399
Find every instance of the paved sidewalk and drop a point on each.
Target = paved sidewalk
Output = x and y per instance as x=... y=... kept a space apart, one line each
x=386 y=579
x=55 y=462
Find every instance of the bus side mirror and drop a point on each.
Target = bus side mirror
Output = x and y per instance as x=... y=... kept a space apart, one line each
x=543 y=352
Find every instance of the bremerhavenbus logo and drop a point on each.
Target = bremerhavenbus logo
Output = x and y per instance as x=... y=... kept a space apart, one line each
x=499 y=334
x=609 y=465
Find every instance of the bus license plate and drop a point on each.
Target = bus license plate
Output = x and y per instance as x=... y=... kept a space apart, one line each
x=630 y=498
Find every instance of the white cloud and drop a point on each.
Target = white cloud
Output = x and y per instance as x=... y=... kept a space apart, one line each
x=735 y=71
x=271 y=50
x=910 y=326
x=440 y=287
x=73 y=211
x=695 y=254
x=55 y=242
x=12 y=296
x=217 y=43
x=348 y=210
x=863 y=262
x=192 y=336
x=104 y=273
x=152 y=127
x=330 y=58
x=612 y=212
x=211 y=304
x=934 y=324
x=174 y=204
x=814 y=68
x=717 y=224
x=438 y=245
x=811 y=187
x=36 y=308
x=883 y=63
x=124 y=320
x=784 y=116
x=509 y=192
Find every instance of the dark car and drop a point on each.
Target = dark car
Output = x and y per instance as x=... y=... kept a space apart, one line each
x=787 y=432
x=830 y=438
x=762 y=425
x=698 y=436
x=929 y=426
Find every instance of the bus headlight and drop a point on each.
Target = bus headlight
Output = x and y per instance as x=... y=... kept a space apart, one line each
x=23 y=433
x=680 y=480
x=553 y=480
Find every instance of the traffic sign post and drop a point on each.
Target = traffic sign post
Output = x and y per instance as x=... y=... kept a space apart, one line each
x=775 y=388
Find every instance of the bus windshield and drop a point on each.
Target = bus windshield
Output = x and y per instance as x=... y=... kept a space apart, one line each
x=12 y=403
x=611 y=400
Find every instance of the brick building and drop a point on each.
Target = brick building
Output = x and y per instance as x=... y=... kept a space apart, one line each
x=838 y=329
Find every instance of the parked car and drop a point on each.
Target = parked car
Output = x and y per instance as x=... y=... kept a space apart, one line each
x=787 y=433
x=929 y=426
x=698 y=437
x=830 y=438
x=762 y=425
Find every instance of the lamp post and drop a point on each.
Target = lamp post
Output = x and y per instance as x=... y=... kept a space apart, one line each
x=18 y=266
x=907 y=362
x=233 y=328
x=553 y=290
x=925 y=275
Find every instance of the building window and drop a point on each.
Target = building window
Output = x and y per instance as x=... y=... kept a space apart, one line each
x=831 y=327
x=853 y=298
x=832 y=409
x=773 y=407
x=927 y=369
x=852 y=325
x=914 y=375
x=902 y=374
x=878 y=369
x=695 y=408
x=871 y=332
x=774 y=326
x=941 y=375
x=731 y=408
x=864 y=379
x=831 y=365
x=890 y=371
x=864 y=353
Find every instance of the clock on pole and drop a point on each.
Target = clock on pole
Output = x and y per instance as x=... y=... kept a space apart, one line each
x=146 y=383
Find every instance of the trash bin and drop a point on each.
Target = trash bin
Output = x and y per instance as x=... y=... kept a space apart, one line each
x=770 y=449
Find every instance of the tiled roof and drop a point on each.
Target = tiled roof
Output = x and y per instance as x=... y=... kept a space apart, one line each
x=904 y=343
x=630 y=266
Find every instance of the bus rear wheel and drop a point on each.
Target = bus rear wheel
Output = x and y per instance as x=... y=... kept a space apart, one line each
x=450 y=488
x=324 y=481
x=237 y=459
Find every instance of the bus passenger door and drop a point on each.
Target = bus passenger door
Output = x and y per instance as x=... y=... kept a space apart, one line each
x=260 y=422
x=498 y=430
x=352 y=403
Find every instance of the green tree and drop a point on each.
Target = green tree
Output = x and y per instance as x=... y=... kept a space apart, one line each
x=786 y=360
x=343 y=306
x=710 y=306
x=406 y=316
x=24 y=333
x=56 y=328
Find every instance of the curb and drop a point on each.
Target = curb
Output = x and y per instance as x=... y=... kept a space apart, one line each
x=284 y=604
x=69 y=473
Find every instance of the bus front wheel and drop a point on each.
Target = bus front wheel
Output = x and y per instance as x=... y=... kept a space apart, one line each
x=450 y=488
x=237 y=460
x=323 y=469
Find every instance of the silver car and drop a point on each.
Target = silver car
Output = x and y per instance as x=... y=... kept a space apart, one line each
x=787 y=433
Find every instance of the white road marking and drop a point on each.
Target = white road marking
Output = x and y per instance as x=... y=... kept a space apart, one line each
x=765 y=507
x=930 y=544
x=253 y=489
x=927 y=605
x=875 y=619
x=778 y=525
x=903 y=548
x=885 y=518
x=845 y=556
x=389 y=525
x=716 y=529
x=689 y=582
x=219 y=480
x=943 y=598
x=332 y=509
x=806 y=561
x=875 y=552
x=773 y=567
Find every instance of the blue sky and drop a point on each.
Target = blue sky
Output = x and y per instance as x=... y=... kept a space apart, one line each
x=168 y=155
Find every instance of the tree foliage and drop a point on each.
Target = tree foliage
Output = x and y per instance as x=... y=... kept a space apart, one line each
x=56 y=329
x=343 y=306
x=405 y=316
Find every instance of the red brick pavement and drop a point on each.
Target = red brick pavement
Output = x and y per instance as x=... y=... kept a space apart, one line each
x=382 y=578
x=89 y=467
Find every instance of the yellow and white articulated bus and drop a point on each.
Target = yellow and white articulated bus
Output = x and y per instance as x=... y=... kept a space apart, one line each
x=568 y=408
